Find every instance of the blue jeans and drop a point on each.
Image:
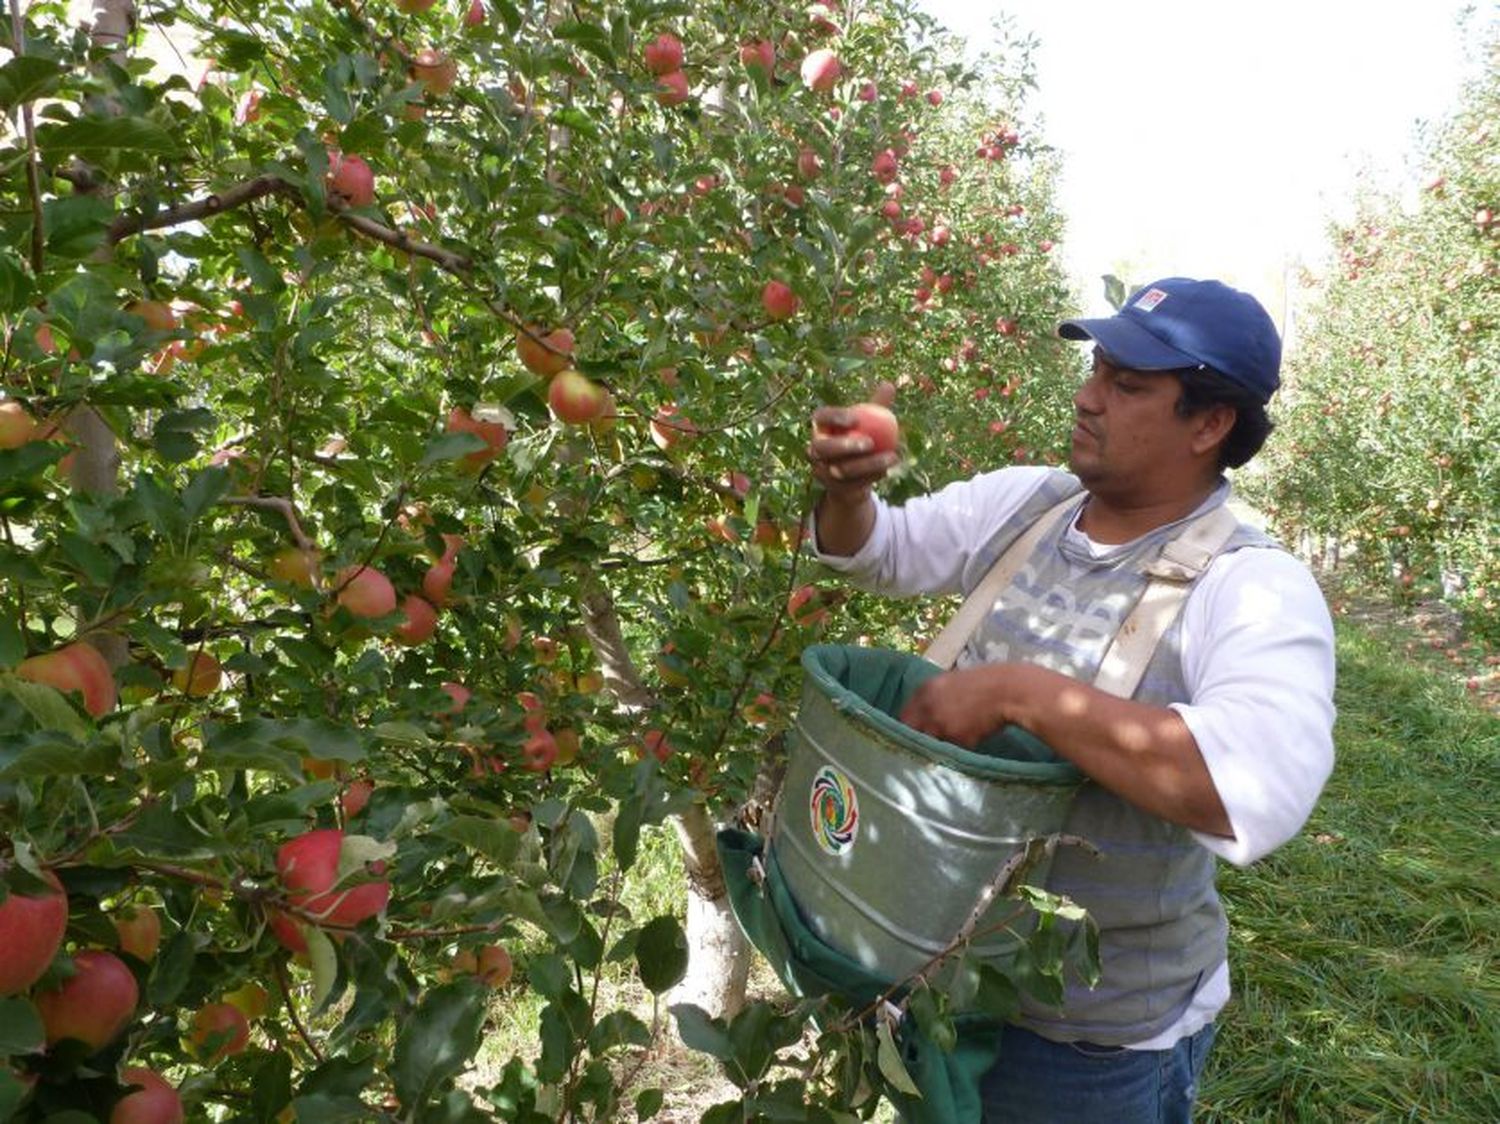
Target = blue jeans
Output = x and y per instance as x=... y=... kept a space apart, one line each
x=1041 y=1082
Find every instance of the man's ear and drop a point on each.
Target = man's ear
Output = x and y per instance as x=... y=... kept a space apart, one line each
x=1211 y=427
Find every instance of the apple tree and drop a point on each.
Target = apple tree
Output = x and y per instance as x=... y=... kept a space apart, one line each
x=401 y=493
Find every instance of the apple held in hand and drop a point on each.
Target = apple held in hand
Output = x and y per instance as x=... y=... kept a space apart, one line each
x=31 y=932
x=94 y=1004
x=872 y=420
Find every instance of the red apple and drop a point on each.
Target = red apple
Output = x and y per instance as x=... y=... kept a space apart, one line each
x=474 y=17
x=419 y=621
x=75 y=667
x=553 y=354
x=663 y=54
x=437 y=582
x=868 y=92
x=803 y=607
x=493 y=965
x=884 y=167
x=308 y=866
x=94 y=1004
x=821 y=70
x=934 y=97
x=758 y=54
x=139 y=930
x=350 y=180
x=31 y=932
x=435 y=70
x=218 y=1031
x=778 y=300
x=672 y=88
x=365 y=591
x=875 y=422
x=17 y=427
x=354 y=799
x=152 y=1102
x=459 y=694
x=575 y=398
x=539 y=750
x=808 y=164
x=669 y=428
x=492 y=433
x=200 y=677
x=656 y=744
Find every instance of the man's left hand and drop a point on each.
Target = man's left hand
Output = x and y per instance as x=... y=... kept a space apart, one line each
x=958 y=706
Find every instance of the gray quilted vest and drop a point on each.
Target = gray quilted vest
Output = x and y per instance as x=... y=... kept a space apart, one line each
x=1162 y=930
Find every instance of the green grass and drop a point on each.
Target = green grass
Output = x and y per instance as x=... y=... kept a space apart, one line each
x=1363 y=953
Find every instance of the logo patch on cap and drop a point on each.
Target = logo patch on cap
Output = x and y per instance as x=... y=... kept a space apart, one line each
x=1149 y=299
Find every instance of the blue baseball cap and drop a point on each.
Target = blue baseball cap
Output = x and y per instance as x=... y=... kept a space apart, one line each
x=1178 y=323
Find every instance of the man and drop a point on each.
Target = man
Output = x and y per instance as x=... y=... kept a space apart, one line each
x=1224 y=746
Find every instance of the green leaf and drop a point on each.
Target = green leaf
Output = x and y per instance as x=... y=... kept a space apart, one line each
x=46 y=705
x=175 y=433
x=21 y=1029
x=76 y=226
x=496 y=840
x=892 y=1068
x=618 y=1028
x=106 y=136
x=204 y=490
x=661 y=954
x=15 y=282
x=324 y=962
x=29 y=460
x=587 y=36
x=702 y=1032
x=451 y=446
x=25 y=79
x=648 y=1103
x=437 y=1040
x=47 y=755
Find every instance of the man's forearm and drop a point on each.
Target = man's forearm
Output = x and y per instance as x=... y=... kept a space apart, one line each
x=844 y=523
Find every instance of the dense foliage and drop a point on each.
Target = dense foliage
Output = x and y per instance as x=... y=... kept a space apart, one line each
x=360 y=643
x=1391 y=420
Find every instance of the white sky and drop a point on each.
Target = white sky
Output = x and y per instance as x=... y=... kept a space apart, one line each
x=1215 y=138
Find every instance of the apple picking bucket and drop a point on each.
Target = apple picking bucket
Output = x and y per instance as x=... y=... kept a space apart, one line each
x=884 y=836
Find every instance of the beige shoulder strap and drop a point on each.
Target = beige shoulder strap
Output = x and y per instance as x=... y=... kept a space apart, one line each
x=944 y=650
x=1173 y=572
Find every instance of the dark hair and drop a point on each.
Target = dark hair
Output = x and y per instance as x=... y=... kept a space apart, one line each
x=1203 y=388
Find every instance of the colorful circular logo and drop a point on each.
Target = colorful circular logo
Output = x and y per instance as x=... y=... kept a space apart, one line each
x=835 y=811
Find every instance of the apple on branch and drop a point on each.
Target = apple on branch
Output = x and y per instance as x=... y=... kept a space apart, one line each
x=821 y=70
x=151 y=1099
x=31 y=932
x=94 y=1004
x=75 y=667
x=872 y=420
x=545 y=353
x=350 y=180
x=663 y=54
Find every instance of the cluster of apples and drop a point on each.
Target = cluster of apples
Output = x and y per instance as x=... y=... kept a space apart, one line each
x=367 y=593
x=95 y=1004
x=573 y=397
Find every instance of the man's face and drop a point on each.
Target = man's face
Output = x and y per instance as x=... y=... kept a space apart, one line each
x=1128 y=438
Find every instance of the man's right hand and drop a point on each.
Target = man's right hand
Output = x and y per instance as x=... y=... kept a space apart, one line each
x=844 y=463
x=842 y=460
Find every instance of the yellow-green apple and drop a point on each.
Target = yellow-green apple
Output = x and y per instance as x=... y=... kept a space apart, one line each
x=365 y=591
x=778 y=300
x=663 y=54
x=350 y=180
x=218 y=1031
x=821 y=70
x=575 y=398
x=568 y=744
x=200 y=677
x=419 y=621
x=151 y=1101
x=545 y=353
x=17 y=427
x=609 y=414
x=94 y=1004
x=138 y=928
x=75 y=667
x=671 y=88
x=31 y=932
x=294 y=565
x=492 y=433
x=251 y=998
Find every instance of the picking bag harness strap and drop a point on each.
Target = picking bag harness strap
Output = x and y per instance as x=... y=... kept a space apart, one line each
x=1181 y=561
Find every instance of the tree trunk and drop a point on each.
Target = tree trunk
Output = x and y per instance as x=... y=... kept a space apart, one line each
x=719 y=954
